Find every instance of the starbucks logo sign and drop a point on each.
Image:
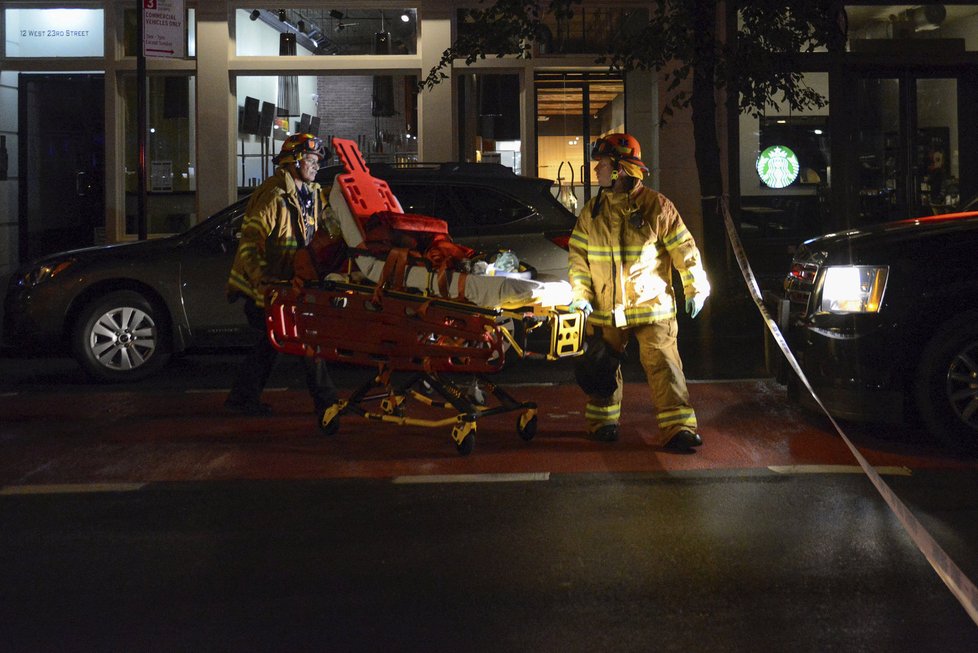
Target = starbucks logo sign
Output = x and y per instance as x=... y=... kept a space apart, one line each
x=777 y=166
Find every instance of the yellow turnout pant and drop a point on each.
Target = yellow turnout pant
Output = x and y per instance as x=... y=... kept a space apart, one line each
x=659 y=355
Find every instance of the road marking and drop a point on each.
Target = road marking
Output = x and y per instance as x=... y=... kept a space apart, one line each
x=203 y=391
x=70 y=488
x=837 y=469
x=473 y=478
x=716 y=381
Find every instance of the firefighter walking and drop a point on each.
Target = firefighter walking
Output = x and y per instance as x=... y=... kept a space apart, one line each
x=282 y=216
x=622 y=251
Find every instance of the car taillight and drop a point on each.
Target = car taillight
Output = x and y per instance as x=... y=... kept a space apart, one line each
x=803 y=272
x=561 y=240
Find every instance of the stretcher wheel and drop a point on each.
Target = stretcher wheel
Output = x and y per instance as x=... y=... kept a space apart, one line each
x=329 y=420
x=526 y=425
x=464 y=435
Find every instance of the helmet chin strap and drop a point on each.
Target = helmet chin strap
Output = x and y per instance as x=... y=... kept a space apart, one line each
x=614 y=178
x=615 y=174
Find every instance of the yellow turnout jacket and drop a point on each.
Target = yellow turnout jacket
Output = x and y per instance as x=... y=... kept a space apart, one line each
x=622 y=252
x=271 y=234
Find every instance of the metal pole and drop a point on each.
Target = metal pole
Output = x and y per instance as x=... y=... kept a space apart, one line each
x=141 y=126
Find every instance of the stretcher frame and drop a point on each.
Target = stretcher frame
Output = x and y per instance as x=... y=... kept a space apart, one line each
x=426 y=337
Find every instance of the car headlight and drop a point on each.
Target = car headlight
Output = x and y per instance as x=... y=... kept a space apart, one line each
x=854 y=288
x=41 y=273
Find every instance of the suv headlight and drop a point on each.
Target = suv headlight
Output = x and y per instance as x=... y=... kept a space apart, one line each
x=41 y=273
x=853 y=288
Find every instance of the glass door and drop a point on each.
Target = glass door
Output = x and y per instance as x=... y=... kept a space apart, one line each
x=906 y=146
x=573 y=109
x=62 y=155
x=935 y=147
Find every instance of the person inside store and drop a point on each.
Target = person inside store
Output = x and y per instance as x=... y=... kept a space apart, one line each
x=623 y=248
x=282 y=215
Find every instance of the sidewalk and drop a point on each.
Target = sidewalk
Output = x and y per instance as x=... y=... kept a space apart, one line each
x=106 y=436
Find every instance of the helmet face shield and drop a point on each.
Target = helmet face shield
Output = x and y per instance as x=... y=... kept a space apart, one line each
x=297 y=146
x=311 y=146
x=602 y=147
x=623 y=150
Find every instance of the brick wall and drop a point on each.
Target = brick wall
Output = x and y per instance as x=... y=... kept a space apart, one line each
x=345 y=111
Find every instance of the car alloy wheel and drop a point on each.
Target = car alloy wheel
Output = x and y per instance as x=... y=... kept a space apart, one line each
x=947 y=383
x=962 y=385
x=118 y=338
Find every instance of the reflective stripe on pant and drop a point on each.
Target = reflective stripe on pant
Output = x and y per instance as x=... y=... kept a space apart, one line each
x=659 y=355
x=601 y=411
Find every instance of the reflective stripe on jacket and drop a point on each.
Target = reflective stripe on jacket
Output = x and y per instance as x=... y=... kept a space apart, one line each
x=271 y=234
x=622 y=253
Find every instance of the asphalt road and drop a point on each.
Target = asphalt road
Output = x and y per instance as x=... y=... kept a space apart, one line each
x=730 y=561
x=145 y=518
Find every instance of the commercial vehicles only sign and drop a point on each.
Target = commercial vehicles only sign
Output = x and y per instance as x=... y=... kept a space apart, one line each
x=164 y=28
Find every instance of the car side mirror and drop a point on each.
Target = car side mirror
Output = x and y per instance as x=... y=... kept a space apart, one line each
x=226 y=236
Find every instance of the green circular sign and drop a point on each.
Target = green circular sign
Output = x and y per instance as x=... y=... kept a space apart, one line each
x=777 y=166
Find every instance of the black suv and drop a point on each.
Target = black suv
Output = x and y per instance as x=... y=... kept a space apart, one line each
x=122 y=309
x=884 y=322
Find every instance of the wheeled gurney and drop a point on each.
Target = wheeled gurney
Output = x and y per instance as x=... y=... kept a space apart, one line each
x=417 y=322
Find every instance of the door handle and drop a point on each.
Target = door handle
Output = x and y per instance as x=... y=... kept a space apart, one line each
x=81 y=184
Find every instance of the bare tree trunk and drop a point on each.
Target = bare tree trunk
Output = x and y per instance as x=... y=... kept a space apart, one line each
x=707 y=145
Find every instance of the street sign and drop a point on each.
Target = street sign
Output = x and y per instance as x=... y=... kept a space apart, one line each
x=163 y=28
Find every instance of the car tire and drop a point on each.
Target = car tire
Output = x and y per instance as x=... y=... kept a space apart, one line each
x=120 y=337
x=947 y=384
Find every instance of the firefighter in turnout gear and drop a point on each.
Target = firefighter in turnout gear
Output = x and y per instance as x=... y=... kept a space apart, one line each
x=622 y=251
x=282 y=215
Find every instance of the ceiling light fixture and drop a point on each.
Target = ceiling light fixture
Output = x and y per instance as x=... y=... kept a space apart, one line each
x=281 y=15
x=405 y=18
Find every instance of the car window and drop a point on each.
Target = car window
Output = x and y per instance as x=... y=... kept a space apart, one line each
x=488 y=207
x=415 y=198
x=436 y=201
x=222 y=230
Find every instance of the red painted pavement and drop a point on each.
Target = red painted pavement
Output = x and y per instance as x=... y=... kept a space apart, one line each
x=143 y=437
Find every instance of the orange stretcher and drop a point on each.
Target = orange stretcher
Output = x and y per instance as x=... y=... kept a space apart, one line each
x=428 y=338
x=445 y=347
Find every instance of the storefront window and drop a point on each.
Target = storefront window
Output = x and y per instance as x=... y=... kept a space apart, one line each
x=786 y=169
x=907 y=140
x=489 y=119
x=572 y=110
x=319 y=31
x=588 y=30
x=875 y=28
x=171 y=179
x=378 y=112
